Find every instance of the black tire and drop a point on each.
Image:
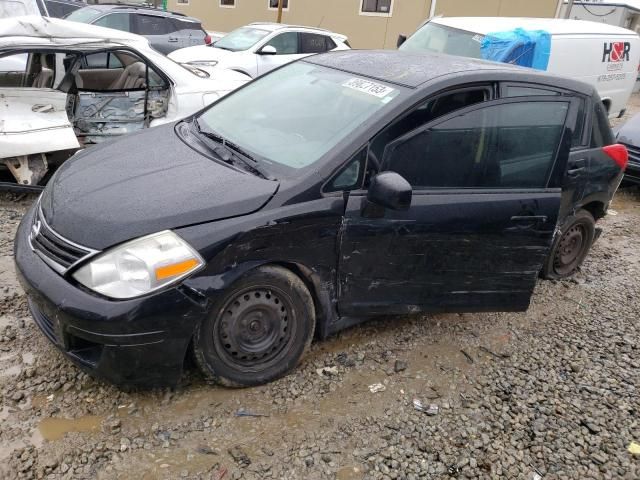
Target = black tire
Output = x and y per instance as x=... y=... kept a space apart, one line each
x=571 y=246
x=258 y=331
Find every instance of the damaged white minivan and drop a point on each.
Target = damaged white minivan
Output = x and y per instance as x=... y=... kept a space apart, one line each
x=65 y=86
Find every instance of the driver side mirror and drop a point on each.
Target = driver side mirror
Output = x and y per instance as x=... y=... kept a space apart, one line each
x=268 y=50
x=390 y=190
x=401 y=40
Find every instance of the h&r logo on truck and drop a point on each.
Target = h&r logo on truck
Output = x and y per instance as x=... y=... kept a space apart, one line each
x=616 y=52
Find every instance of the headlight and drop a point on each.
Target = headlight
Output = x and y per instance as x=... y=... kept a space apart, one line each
x=203 y=63
x=140 y=266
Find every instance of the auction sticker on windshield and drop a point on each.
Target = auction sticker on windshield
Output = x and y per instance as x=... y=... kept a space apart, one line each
x=366 y=86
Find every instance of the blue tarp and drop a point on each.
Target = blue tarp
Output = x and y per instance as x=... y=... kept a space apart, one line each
x=527 y=48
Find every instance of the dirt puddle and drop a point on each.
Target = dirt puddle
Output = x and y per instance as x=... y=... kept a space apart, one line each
x=52 y=429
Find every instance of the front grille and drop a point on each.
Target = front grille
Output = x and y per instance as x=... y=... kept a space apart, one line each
x=57 y=252
x=634 y=153
x=44 y=322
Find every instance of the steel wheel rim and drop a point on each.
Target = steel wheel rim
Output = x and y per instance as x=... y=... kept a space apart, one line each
x=255 y=328
x=570 y=249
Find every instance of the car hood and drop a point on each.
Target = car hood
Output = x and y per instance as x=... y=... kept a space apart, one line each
x=145 y=183
x=201 y=52
x=629 y=133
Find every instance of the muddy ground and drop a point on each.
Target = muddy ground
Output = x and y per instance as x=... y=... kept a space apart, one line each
x=550 y=393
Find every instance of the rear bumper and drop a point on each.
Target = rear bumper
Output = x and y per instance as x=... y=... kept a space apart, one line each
x=139 y=342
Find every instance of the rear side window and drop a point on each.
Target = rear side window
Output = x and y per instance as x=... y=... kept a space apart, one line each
x=152 y=25
x=102 y=60
x=119 y=21
x=510 y=145
x=314 y=43
x=601 y=134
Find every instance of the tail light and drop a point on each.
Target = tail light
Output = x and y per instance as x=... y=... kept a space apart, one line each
x=618 y=153
x=207 y=39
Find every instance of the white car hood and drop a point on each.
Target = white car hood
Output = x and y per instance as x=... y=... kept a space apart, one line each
x=201 y=52
x=34 y=121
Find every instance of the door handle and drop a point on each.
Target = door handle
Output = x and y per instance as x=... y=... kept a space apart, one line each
x=173 y=39
x=576 y=166
x=529 y=218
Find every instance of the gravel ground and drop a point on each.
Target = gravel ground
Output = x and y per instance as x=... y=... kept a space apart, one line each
x=550 y=393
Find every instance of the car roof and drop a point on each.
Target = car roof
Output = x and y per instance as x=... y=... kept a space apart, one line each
x=272 y=27
x=55 y=31
x=413 y=69
x=555 y=26
x=142 y=9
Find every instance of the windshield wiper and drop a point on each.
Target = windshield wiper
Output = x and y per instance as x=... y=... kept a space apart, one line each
x=226 y=149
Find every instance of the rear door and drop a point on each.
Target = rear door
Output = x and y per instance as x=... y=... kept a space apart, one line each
x=482 y=217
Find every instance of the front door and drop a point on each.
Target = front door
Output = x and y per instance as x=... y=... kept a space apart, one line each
x=481 y=221
x=286 y=45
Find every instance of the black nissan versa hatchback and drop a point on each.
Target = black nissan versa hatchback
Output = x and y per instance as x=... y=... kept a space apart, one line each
x=336 y=188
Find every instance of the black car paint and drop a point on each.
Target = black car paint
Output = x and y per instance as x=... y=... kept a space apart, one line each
x=321 y=237
x=629 y=135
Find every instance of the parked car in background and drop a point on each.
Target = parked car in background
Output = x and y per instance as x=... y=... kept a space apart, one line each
x=166 y=31
x=62 y=8
x=602 y=55
x=71 y=85
x=260 y=47
x=18 y=8
x=629 y=136
x=324 y=193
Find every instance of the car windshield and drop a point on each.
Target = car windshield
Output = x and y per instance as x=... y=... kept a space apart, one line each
x=294 y=116
x=84 y=15
x=438 y=38
x=241 y=39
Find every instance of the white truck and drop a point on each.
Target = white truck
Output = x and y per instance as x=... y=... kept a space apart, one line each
x=604 y=56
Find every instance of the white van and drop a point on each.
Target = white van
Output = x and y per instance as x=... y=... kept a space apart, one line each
x=602 y=55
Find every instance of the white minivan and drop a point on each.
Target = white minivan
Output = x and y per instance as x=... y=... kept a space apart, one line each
x=602 y=55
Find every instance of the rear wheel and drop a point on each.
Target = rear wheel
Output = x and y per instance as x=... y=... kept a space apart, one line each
x=258 y=331
x=570 y=247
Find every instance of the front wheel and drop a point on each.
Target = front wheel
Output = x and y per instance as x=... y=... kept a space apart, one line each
x=258 y=331
x=571 y=246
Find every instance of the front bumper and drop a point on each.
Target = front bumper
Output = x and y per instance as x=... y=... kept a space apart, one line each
x=632 y=173
x=141 y=342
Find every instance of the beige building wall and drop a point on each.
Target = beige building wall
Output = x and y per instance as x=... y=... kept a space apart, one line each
x=343 y=16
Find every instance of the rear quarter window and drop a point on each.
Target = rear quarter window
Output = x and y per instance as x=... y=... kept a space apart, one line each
x=601 y=134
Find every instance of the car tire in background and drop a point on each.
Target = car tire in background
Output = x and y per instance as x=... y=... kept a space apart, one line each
x=570 y=246
x=258 y=331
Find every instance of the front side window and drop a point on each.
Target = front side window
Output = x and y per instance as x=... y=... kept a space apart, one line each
x=102 y=60
x=118 y=21
x=241 y=39
x=440 y=39
x=509 y=145
x=285 y=43
x=306 y=111
x=84 y=15
x=382 y=7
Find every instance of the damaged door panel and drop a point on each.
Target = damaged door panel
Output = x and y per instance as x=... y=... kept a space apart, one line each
x=29 y=125
x=448 y=252
x=100 y=116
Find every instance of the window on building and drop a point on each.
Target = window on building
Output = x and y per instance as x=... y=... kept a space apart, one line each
x=376 y=7
x=228 y=3
x=273 y=4
x=499 y=146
